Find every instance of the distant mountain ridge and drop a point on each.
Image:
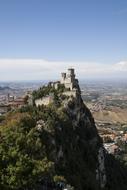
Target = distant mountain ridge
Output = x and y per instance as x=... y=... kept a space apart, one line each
x=5 y=88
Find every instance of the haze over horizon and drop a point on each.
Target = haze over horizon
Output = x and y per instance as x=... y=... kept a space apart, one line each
x=38 y=69
x=41 y=38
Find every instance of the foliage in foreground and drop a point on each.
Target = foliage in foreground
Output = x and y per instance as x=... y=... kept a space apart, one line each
x=22 y=164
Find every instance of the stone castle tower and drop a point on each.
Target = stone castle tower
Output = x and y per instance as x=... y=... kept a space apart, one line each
x=68 y=79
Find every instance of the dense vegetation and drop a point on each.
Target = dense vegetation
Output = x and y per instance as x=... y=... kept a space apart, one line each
x=40 y=145
x=25 y=161
x=46 y=90
x=28 y=153
x=52 y=146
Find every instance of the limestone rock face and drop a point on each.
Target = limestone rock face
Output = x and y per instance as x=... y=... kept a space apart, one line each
x=88 y=154
x=79 y=152
x=101 y=173
x=72 y=143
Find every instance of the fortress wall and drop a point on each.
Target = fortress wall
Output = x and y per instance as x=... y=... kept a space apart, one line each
x=70 y=93
x=68 y=85
x=43 y=101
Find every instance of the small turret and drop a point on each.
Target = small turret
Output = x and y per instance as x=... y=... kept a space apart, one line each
x=71 y=73
x=63 y=75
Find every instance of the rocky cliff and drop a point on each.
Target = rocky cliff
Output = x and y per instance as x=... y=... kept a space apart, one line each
x=77 y=150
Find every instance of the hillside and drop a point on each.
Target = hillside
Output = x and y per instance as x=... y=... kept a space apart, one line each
x=115 y=115
x=56 y=146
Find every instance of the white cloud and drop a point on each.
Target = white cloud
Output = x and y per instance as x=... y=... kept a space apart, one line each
x=121 y=66
x=39 y=69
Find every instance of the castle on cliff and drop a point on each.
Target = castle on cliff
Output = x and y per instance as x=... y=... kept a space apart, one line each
x=69 y=80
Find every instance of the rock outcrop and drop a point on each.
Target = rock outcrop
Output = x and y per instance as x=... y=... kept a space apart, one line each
x=77 y=149
x=56 y=146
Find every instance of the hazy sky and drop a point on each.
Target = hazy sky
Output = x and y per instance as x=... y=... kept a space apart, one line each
x=40 y=38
